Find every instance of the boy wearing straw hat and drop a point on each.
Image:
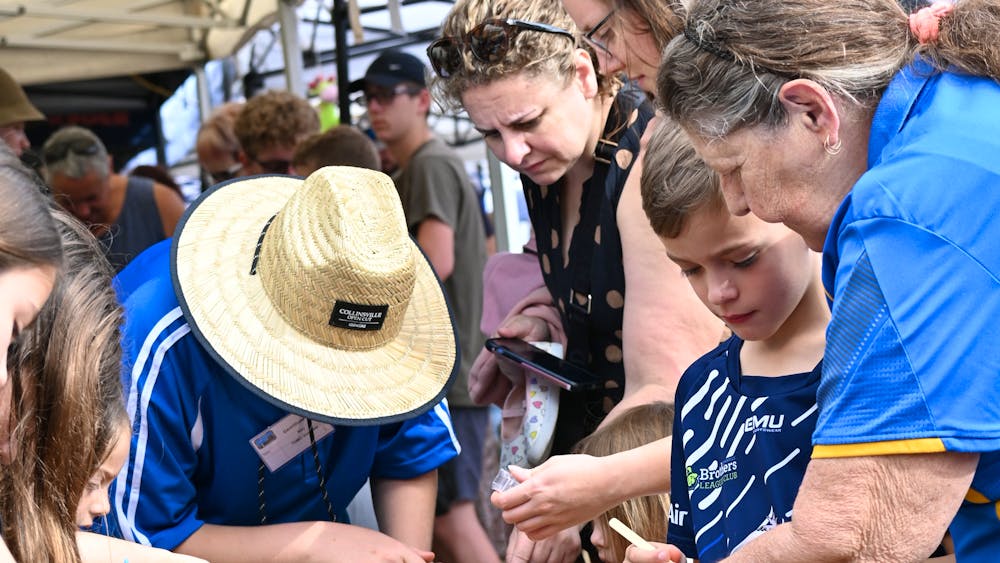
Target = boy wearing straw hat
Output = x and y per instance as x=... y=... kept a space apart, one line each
x=290 y=342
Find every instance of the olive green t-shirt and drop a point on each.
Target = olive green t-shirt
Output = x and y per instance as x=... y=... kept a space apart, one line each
x=435 y=184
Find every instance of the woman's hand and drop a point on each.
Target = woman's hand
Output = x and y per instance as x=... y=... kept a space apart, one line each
x=486 y=385
x=566 y=490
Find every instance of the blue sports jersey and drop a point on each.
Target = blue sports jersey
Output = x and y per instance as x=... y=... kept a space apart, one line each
x=191 y=461
x=740 y=448
x=912 y=262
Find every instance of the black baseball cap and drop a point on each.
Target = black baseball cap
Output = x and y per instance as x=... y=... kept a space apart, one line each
x=391 y=68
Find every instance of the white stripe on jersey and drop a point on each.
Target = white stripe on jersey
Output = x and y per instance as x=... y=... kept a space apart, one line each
x=441 y=410
x=805 y=415
x=743 y=493
x=782 y=463
x=708 y=526
x=140 y=403
x=732 y=421
x=696 y=398
x=705 y=446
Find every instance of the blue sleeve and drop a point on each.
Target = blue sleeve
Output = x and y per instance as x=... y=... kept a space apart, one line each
x=414 y=447
x=153 y=499
x=912 y=355
x=680 y=530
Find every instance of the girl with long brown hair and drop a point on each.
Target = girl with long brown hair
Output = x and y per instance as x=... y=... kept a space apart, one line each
x=55 y=371
x=30 y=260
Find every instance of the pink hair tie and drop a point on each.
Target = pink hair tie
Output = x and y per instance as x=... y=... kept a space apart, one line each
x=926 y=22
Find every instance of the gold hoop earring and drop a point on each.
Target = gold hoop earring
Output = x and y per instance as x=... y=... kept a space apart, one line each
x=834 y=149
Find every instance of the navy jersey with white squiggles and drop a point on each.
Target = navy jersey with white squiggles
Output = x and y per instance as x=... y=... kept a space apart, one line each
x=741 y=444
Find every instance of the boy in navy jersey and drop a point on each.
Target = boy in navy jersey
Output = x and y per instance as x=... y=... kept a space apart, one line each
x=745 y=412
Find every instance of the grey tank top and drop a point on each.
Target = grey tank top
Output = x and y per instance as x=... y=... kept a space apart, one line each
x=138 y=226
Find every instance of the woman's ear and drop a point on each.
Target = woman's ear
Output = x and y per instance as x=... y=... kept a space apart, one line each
x=586 y=74
x=810 y=105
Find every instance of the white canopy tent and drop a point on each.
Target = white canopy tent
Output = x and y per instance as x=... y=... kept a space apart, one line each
x=44 y=41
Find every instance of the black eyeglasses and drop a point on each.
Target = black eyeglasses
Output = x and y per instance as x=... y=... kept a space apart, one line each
x=488 y=42
x=275 y=166
x=591 y=36
x=223 y=175
x=56 y=152
x=385 y=96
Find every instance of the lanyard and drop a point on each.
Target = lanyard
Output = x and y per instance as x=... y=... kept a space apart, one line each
x=261 y=498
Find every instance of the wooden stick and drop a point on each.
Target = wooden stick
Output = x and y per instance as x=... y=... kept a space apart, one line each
x=626 y=532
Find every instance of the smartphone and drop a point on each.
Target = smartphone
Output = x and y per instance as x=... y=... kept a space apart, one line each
x=561 y=372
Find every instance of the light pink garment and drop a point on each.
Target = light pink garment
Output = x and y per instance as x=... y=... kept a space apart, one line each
x=507 y=278
x=485 y=382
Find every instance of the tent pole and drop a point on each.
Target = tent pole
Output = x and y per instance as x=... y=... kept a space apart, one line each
x=339 y=17
x=204 y=98
x=292 y=51
x=505 y=219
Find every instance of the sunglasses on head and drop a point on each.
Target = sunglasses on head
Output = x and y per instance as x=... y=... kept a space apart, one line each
x=58 y=151
x=488 y=42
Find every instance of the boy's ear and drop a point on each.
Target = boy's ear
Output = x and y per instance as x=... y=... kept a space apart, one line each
x=811 y=106
x=425 y=100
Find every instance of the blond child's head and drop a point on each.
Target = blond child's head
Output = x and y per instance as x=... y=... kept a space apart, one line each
x=753 y=275
x=95 y=502
x=635 y=427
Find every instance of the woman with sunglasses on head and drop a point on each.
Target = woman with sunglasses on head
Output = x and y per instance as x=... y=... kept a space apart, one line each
x=626 y=36
x=628 y=314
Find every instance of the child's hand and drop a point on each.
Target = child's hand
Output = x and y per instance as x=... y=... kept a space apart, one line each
x=563 y=547
x=664 y=552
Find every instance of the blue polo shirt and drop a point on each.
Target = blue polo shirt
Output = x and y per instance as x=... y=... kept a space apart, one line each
x=191 y=460
x=912 y=262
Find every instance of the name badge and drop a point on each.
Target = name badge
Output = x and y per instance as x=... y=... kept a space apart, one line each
x=282 y=441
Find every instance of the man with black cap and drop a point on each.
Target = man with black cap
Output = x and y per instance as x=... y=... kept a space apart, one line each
x=443 y=214
x=15 y=110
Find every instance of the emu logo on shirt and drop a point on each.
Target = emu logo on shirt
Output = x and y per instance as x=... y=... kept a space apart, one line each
x=766 y=423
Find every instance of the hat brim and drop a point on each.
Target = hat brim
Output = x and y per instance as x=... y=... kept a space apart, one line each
x=233 y=318
x=383 y=80
x=20 y=113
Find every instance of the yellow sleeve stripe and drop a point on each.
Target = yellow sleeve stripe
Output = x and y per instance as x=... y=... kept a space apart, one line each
x=914 y=446
x=976 y=497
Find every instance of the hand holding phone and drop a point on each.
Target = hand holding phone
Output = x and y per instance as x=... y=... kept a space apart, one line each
x=561 y=372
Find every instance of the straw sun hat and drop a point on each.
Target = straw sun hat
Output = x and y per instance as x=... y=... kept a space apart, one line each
x=328 y=310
